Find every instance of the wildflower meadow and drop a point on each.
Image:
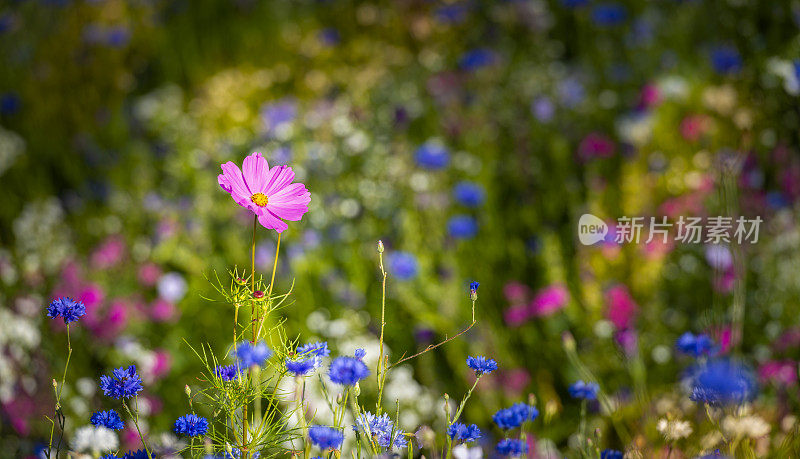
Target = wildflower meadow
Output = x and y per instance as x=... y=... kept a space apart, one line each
x=413 y=228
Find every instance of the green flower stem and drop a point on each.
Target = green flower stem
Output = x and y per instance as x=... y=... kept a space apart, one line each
x=135 y=418
x=381 y=371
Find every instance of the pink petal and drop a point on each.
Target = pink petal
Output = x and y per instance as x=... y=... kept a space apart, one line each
x=270 y=221
x=294 y=193
x=256 y=171
x=282 y=177
x=224 y=183
x=293 y=212
x=234 y=178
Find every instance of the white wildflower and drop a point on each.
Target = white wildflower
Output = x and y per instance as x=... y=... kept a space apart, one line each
x=464 y=452
x=674 y=429
x=746 y=426
x=95 y=439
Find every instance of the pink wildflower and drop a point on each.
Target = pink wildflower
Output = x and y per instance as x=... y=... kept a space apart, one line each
x=620 y=307
x=268 y=193
x=549 y=300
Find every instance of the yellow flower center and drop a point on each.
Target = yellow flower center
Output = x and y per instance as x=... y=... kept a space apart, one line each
x=259 y=199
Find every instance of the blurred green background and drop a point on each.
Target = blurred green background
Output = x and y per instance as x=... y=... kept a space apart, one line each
x=469 y=136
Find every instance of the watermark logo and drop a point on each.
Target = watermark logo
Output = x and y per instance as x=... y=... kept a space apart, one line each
x=685 y=230
x=591 y=229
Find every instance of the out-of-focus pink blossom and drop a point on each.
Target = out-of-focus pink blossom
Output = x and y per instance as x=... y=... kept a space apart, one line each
x=620 y=306
x=724 y=282
x=149 y=274
x=163 y=311
x=516 y=292
x=91 y=295
x=782 y=373
x=109 y=253
x=595 y=145
x=789 y=339
x=517 y=315
x=649 y=97
x=514 y=381
x=628 y=341
x=549 y=300
x=694 y=126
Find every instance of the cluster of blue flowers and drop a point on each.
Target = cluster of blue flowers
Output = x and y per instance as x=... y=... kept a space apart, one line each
x=722 y=382
x=380 y=429
x=463 y=432
x=191 y=425
x=469 y=194
x=695 y=346
x=611 y=454
x=481 y=365
x=249 y=354
x=432 y=156
x=66 y=308
x=515 y=416
x=347 y=371
x=511 y=447
x=308 y=358
x=584 y=391
x=138 y=454
x=123 y=383
x=227 y=372
x=325 y=437
x=109 y=419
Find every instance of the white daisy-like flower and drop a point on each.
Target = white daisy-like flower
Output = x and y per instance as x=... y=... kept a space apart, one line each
x=95 y=439
x=746 y=426
x=674 y=429
x=462 y=451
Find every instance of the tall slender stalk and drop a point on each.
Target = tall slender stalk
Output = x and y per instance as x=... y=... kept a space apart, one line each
x=381 y=370
x=253 y=316
x=57 y=414
x=135 y=417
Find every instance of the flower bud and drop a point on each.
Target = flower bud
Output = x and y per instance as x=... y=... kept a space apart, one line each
x=356 y=390
x=258 y=295
x=188 y=390
x=380 y=246
x=569 y=341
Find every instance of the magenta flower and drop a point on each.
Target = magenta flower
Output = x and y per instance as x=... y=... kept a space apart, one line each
x=549 y=300
x=268 y=193
x=621 y=308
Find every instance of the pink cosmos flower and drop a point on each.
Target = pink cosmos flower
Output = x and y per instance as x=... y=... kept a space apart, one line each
x=595 y=145
x=779 y=372
x=549 y=300
x=268 y=193
x=620 y=306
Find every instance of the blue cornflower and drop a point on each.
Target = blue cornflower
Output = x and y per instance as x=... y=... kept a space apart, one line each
x=138 y=454
x=477 y=58
x=380 y=428
x=543 y=109
x=611 y=454
x=124 y=383
x=109 y=419
x=109 y=456
x=314 y=351
x=583 y=390
x=481 y=365
x=511 y=447
x=325 y=437
x=513 y=417
x=227 y=372
x=469 y=194
x=252 y=354
x=609 y=14
x=432 y=156
x=403 y=265
x=360 y=354
x=66 y=308
x=726 y=60
x=300 y=367
x=722 y=382
x=191 y=425
x=347 y=370
x=462 y=227
x=695 y=346
x=473 y=286
x=9 y=102
x=463 y=432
